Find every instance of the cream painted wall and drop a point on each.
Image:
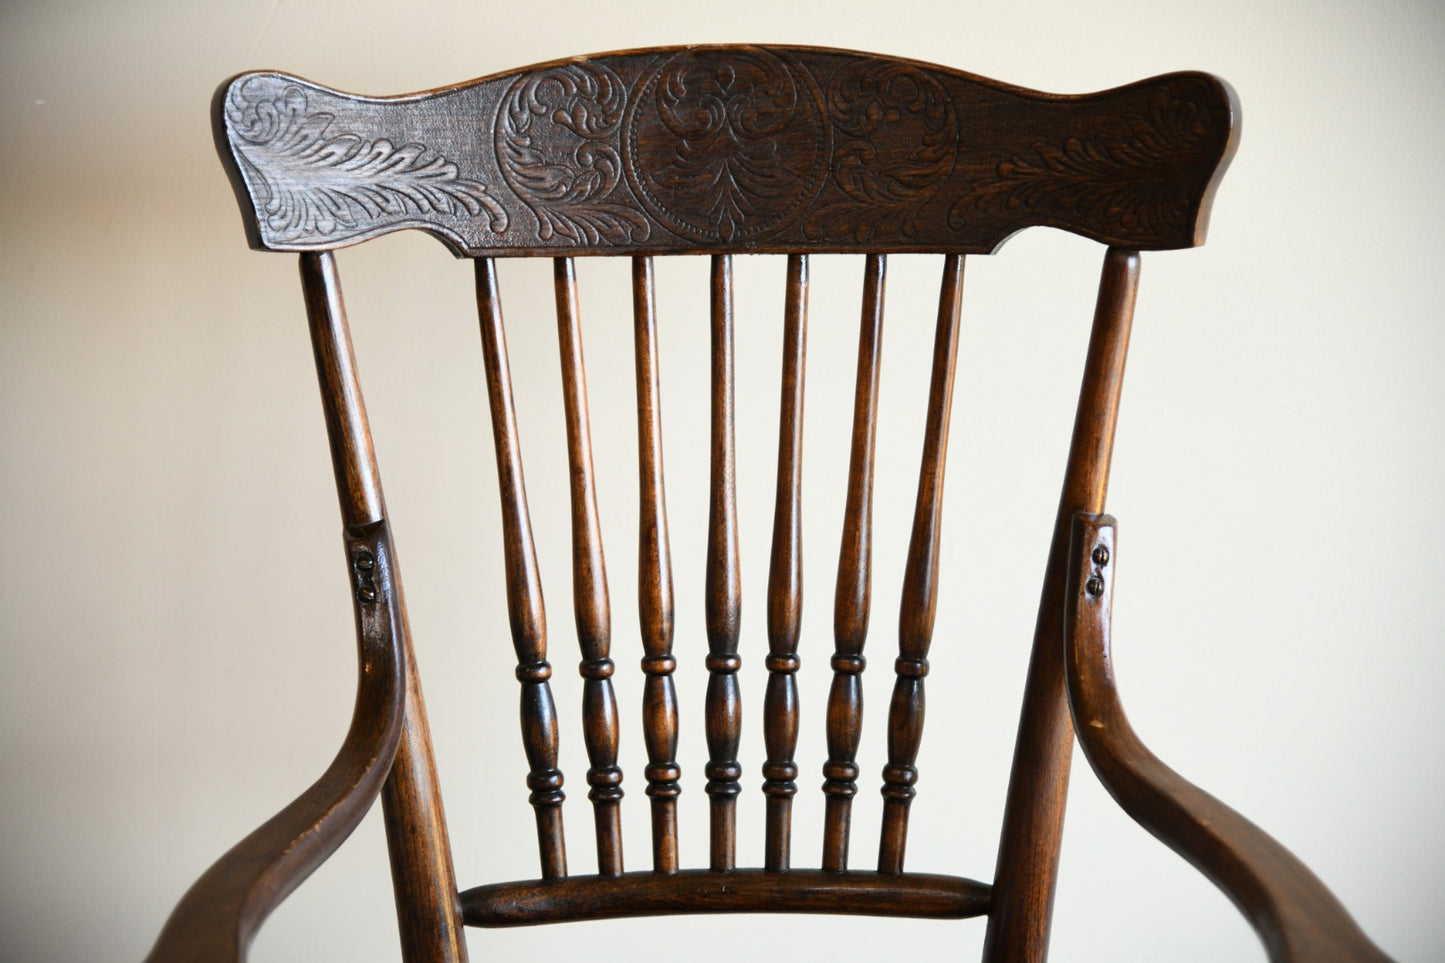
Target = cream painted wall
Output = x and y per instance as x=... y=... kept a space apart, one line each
x=176 y=640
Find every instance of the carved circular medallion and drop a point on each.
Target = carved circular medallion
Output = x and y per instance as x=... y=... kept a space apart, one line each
x=726 y=145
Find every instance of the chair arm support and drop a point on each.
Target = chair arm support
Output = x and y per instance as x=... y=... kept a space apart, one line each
x=1295 y=915
x=220 y=914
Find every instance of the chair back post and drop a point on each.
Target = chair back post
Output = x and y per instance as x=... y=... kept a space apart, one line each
x=1028 y=853
x=423 y=880
x=724 y=150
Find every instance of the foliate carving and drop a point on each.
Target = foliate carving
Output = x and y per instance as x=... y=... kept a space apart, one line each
x=672 y=150
x=314 y=178
x=725 y=145
x=1128 y=178
x=896 y=140
x=557 y=145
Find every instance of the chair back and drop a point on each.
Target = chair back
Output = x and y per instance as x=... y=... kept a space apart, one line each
x=725 y=151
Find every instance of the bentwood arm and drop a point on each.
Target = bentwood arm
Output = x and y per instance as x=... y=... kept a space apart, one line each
x=219 y=915
x=1295 y=915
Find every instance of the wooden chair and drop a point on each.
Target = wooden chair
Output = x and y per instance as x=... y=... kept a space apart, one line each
x=723 y=151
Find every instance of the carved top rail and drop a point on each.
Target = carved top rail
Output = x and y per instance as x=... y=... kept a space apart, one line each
x=765 y=149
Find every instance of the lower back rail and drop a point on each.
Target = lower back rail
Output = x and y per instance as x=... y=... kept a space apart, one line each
x=917 y=895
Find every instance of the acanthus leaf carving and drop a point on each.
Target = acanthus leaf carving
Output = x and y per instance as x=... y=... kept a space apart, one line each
x=314 y=179
x=1128 y=178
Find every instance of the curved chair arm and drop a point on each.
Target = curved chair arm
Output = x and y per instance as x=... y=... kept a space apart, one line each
x=1294 y=914
x=219 y=915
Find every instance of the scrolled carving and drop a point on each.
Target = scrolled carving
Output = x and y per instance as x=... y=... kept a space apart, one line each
x=727 y=145
x=315 y=178
x=557 y=146
x=726 y=149
x=1126 y=176
x=895 y=143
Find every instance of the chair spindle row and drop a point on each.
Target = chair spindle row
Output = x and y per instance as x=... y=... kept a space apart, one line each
x=723 y=707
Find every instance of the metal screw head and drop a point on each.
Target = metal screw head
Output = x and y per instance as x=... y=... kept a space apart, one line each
x=1094 y=586
x=366 y=593
x=1101 y=555
x=365 y=561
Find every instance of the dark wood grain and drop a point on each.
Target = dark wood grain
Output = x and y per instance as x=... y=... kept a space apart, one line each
x=741 y=148
x=353 y=460
x=423 y=880
x=654 y=581
x=785 y=581
x=919 y=895
x=723 y=590
x=1028 y=853
x=1295 y=915
x=219 y=915
x=851 y=597
x=525 y=607
x=920 y=583
x=589 y=585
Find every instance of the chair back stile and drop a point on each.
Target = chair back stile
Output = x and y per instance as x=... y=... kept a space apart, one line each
x=726 y=151
x=1028 y=853
x=422 y=874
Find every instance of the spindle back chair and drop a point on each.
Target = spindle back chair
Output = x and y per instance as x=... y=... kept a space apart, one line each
x=717 y=151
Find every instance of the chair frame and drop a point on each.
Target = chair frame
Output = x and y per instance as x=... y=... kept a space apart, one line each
x=605 y=155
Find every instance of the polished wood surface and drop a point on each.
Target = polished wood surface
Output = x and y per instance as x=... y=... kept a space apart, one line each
x=722 y=712
x=920 y=583
x=785 y=582
x=720 y=151
x=1295 y=915
x=589 y=585
x=918 y=895
x=420 y=851
x=852 y=597
x=1028 y=852
x=654 y=581
x=524 y=586
x=741 y=148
